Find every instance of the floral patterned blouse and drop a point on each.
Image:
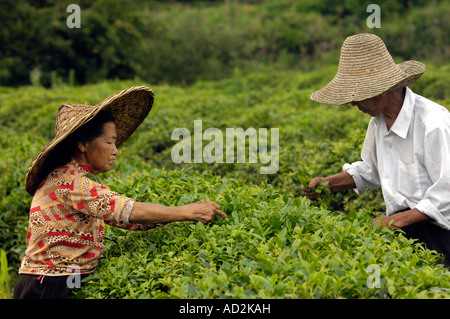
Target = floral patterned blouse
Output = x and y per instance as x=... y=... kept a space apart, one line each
x=67 y=219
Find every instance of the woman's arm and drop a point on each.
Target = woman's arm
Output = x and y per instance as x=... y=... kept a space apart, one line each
x=148 y=213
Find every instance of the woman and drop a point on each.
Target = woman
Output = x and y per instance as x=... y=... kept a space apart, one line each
x=70 y=205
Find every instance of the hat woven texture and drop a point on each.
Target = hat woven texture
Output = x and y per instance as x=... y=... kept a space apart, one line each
x=128 y=107
x=366 y=70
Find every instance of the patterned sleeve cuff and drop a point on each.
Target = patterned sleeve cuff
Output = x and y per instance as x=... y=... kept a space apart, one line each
x=125 y=216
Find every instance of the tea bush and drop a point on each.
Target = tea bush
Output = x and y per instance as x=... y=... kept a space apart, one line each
x=270 y=246
x=5 y=288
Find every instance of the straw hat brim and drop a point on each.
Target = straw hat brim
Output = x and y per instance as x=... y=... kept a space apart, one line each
x=366 y=70
x=342 y=90
x=128 y=107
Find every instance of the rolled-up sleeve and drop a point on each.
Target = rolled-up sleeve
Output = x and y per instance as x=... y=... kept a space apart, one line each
x=436 y=202
x=365 y=172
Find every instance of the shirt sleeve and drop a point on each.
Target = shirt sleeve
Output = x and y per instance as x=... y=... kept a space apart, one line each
x=365 y=172
x=93 y=198
x=436 y=202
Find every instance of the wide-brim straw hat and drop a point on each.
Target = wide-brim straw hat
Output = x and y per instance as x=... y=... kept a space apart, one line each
x=128 y=107
x=366 y=70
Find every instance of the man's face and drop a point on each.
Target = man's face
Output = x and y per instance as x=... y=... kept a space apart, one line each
x=372 y=106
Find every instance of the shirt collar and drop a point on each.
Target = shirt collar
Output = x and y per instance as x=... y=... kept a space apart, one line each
x=401 y=124
x=83 y=166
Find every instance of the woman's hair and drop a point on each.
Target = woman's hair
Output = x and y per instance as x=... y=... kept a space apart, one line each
x=92 y=129
x=86 y=133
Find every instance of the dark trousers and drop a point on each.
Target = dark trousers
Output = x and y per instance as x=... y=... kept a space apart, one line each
x=42 y=287
x=434 y=238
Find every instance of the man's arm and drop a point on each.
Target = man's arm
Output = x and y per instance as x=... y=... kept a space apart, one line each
x=345 y=181
x=402 y=219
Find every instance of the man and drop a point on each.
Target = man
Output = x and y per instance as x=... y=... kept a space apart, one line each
x=406 y=150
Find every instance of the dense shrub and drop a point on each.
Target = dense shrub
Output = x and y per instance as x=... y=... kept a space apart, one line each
x=275 y=243
x=270 y=246
x=160 y=43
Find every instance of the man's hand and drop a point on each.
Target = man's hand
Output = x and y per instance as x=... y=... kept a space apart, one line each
x=335 y=182
x=309 y=191
x=386 y=221
x=402 y=219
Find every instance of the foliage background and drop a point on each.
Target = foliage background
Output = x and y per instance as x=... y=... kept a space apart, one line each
x=185 y=41
x=231 y=64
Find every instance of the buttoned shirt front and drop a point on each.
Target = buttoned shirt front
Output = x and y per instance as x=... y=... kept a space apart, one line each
x=411 y=161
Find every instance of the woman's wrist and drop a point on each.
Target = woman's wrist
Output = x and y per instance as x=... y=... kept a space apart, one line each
x=148 y=213
x=182 y=213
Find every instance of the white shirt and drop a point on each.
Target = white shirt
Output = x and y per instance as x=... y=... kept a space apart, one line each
x=411 y=161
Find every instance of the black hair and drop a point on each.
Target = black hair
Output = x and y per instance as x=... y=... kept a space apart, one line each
x=67 y=149
x=92 y=129
x=63 y=152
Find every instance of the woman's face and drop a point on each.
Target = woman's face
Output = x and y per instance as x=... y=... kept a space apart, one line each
x=100 y=153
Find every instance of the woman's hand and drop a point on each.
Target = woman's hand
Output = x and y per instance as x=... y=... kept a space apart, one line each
x=202 y=211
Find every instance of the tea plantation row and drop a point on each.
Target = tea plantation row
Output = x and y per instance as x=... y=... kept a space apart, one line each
x=270 y=246
x=274 y=243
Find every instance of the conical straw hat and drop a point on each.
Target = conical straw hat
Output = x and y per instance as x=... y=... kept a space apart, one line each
x=128 y=107
x=366 y=69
